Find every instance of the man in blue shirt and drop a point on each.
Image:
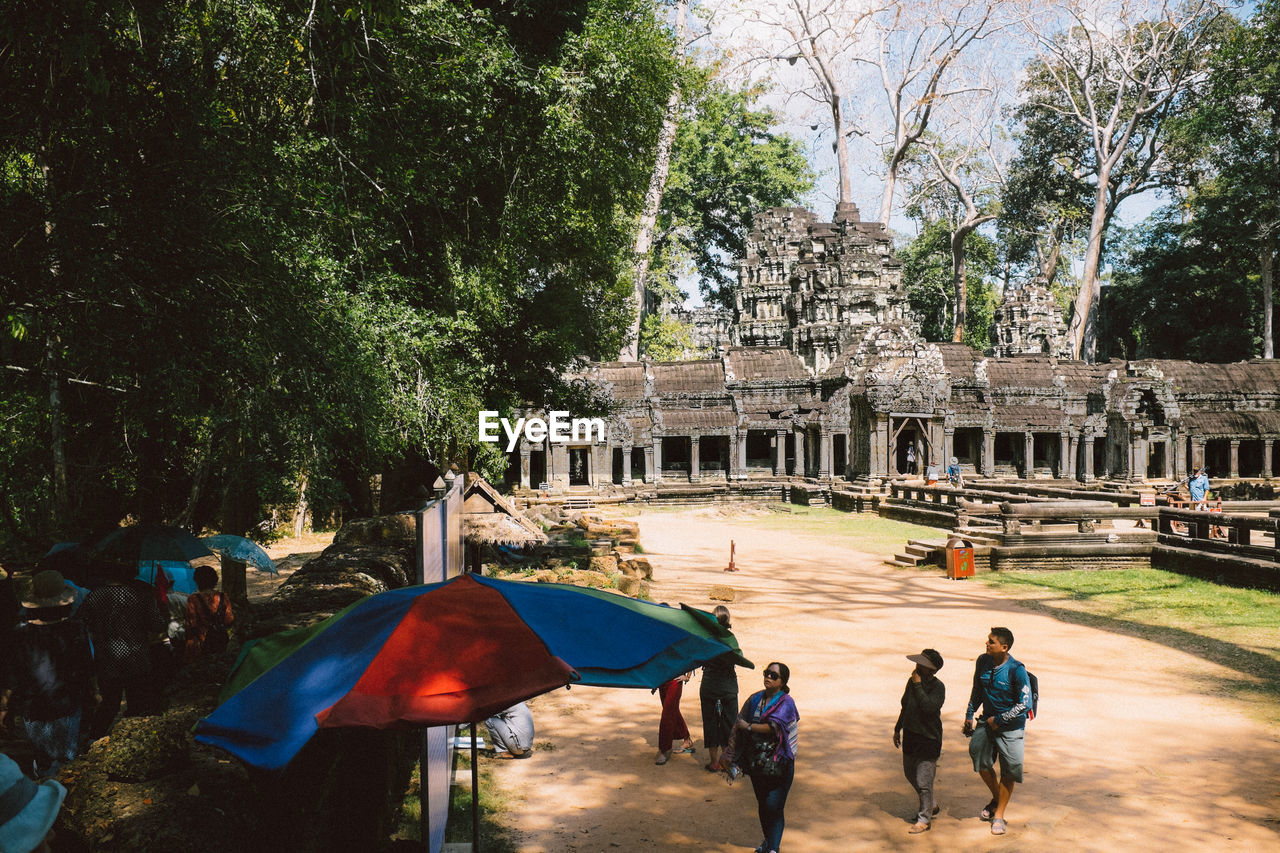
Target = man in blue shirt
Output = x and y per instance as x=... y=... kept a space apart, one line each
x=1003 y=692
x=1199 y=487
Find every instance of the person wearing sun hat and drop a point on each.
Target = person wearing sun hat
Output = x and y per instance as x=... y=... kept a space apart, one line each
x=27 y=809
x=52 y=672
x=919 y=732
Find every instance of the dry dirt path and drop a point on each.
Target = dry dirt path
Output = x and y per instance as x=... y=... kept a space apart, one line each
x=1131 y=750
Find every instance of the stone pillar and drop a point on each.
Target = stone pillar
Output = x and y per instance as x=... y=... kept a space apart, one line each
x=525 y=451
x=1197 y=454
x=1139 y=451
x=1169 y=466
x=880 y=463
x=799 y=451
x=780 y=453
x=988 y=468
x=824 y=455
x=1064 y=456
x=1268 y=458
x=1088 y=457
x=560 y=453
x=657 y=459
x=626 y=464
x=1029 y=451
x=1235 y=458
x=650 y=472
x=695 y=458
x=1072 y=460
x=737 y=455
x=948 y=449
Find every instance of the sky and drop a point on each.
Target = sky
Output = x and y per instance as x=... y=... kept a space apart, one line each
x=744 y=34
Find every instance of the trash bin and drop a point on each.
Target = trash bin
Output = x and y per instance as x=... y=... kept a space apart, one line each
x=959 y=558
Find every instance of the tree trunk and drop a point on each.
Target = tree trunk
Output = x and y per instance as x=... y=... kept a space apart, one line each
x=841 y=146
x=653 y=202
x=300 y=512
x=1083 y=330
x=57 y=447
x=958 y=280
x=1268 y=259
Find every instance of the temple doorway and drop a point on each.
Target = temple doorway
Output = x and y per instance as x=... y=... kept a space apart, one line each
x=579 y=466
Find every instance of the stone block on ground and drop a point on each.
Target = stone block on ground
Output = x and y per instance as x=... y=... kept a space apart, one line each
x=720 y=592
x=631 y=586
x=605 y=565
x=638 y=566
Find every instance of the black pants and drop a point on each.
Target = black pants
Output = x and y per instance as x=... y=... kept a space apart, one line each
x=140 y=692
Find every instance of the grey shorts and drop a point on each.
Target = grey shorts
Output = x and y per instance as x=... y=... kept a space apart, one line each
x=985 y=745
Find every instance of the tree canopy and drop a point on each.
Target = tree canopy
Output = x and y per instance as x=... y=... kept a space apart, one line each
x=253 y=245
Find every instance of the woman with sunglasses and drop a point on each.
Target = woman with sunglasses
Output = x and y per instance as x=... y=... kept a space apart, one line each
x=764 y=742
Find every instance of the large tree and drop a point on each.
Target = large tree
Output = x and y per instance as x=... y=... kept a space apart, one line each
x=260 y=245
x=1114 y=77
x=728 y=165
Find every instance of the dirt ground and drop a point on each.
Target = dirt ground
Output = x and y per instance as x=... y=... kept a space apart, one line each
x=1134 y=747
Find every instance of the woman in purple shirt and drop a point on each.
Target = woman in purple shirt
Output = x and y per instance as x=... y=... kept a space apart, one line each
x=769 y=724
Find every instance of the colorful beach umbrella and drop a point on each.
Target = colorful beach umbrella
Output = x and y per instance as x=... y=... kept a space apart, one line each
x=452 y=652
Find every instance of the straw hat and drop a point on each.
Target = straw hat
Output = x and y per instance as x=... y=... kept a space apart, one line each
x=48 y=589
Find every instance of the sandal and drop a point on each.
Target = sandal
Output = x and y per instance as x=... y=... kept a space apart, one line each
x=688 y=750
x=988 y=811
x=917 y=828
x=998 y=826
x=662 y=758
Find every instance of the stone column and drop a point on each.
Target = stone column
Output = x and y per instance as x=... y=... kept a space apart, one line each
x=1235 y=458
x=824 y=455
x=1029 y=449
x=880 y=448
x=695 y=457
x=650 y=472
x=1197 y=454
x=948 y=449
x=1139 y=452
x=1064 y=455
x=1072 y=462
x=626 y=464
x=800 y=451
x=737 y=455
x=1267 y=459
x=780 y=453
x=1088 y=457
x=988 y=468
x=657 y=459
x=560 y=453
x=1168 y=458
x=1175 y=456
x=525 y=450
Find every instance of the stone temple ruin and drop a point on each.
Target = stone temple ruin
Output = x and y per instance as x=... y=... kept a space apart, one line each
x=825 y=377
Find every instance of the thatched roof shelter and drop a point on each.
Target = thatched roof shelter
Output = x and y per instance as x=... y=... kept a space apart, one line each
x=489 y=519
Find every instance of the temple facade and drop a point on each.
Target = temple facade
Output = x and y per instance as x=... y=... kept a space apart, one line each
x=827 y=378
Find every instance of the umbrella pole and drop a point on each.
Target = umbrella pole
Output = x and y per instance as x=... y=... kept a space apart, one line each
x=424 y=793
x=475 y=792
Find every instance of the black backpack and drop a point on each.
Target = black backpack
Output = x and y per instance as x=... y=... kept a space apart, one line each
x=1035 y=693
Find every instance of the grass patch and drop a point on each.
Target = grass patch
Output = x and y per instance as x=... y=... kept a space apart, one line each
x=859 y=531
x=1234 y=627
x=494 y=837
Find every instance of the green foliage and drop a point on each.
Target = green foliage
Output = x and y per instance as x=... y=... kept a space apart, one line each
x=665 y=338
x=927 y=275
x=251 y=242
x=726 y=166
x=1186 y=289
x=1189 y=286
